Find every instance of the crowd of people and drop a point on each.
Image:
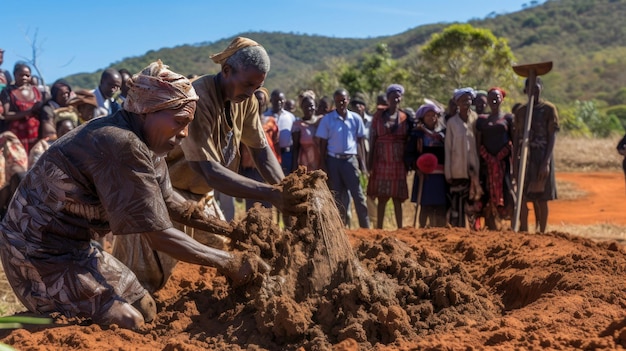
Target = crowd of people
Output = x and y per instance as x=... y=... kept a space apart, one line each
x=463 y=157
x=128 y=157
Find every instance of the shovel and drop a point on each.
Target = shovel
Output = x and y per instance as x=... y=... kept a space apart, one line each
x=531 y=71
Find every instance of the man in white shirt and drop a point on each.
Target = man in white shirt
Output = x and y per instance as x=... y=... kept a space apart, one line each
x=285 y=120
x=110 y=83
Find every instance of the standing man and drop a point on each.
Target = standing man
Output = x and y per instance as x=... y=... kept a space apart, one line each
x=358 y=105
x=227 y=116
x=341 y=133
x=125 y=74
x=110 y=83
x=540 y=181
x=285 y=121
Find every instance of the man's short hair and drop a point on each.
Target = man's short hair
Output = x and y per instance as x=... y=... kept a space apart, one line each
x=251 y=56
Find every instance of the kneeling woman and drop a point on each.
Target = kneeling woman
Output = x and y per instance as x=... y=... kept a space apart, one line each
x=106 y=175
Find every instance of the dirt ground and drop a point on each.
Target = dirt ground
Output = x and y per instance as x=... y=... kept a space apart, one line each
x=604 y=200
x=454 y=290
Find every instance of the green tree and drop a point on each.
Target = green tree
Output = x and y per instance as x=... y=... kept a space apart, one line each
x=572 y=124
x=462 y=56
x=619 y=112
x=373 y=72
x=326 y=81
x=599 y=124
x=370 y=74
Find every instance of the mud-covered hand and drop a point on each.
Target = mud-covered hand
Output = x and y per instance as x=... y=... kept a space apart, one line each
x=243 y=267
x=294 y=194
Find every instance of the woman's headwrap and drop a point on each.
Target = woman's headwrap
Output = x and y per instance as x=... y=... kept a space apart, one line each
x=502 y=92
x=425 y=108
x=462 y=91
x=234 y=46
x=265 y=92
x=157 y=88
x=395 y=87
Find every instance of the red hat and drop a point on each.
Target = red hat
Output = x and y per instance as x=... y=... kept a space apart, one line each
x=427 y=163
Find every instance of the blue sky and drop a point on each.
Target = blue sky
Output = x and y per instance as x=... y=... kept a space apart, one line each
x=85 y=36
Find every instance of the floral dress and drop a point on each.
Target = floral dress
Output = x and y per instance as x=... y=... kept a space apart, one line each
x=23 y=99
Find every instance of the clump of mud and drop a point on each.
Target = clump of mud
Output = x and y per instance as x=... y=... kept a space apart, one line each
x=322 y=292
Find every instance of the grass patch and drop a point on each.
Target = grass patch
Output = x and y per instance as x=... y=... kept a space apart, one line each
x=587 y=154
x=569 y=190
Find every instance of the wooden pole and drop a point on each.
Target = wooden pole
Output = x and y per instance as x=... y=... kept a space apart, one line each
x=418 y=204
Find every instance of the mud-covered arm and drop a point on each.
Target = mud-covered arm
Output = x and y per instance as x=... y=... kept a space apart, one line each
x=190 y=213
x=228 y=182
x=239 y=267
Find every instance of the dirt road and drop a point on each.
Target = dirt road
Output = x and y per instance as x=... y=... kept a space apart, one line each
x=605 y=201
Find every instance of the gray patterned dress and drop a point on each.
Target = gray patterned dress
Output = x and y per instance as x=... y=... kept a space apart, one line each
x=98 y=178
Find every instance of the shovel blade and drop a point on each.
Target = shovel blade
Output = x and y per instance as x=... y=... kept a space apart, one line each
x=539 y=69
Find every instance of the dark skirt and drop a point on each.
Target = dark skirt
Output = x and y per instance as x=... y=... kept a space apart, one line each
x=433 y=192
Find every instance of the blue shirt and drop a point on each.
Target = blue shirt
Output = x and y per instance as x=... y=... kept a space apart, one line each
x=342 y=135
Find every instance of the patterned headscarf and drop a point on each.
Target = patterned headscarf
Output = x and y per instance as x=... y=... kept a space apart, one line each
x=422 y=110
x=234 y=46
x=462 y=91
x=157 y=88
x=395 y=87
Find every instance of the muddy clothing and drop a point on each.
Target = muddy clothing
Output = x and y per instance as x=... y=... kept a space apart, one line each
x=214 y=134
x=544 y=125
x=100 y=177
x=218 y=128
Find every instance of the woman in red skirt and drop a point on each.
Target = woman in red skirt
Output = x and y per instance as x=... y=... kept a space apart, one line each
x=388 y=136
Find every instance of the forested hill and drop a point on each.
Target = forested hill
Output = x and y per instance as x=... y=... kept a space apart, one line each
x=585 y=39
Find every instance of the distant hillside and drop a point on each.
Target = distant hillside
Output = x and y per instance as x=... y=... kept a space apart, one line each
x=585 y=39
x=293 y=57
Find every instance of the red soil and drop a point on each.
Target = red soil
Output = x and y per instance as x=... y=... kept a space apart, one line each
x=481 y=290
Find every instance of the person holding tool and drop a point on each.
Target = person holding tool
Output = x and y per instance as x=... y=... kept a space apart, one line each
x=538 y=185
